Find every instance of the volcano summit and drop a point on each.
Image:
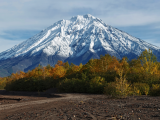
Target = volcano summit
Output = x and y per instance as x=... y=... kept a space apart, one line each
x=76 y=40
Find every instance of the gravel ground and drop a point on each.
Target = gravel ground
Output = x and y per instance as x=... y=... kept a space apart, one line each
x=71 y=106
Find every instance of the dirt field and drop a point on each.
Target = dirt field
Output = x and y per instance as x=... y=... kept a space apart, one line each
x=70 y=106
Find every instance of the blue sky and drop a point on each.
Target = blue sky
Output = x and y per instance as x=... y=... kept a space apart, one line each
x=22 y=19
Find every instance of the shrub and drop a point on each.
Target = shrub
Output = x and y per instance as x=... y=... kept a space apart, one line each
x=96 y=85
x=155 y=90
x=31 y=84
x=120 y=88
x=80 y=86
x=134 y=90
x=2 y=83
x=110 y=89
x=72 y=85
x=140 y=89
x=117 y=89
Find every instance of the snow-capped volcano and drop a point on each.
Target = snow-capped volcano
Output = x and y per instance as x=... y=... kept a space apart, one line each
x=76 y=40
x=59 y=38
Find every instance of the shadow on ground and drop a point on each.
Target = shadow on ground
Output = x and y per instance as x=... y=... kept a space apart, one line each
x=50 y=93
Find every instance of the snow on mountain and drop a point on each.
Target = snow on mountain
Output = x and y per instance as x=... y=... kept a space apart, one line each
x=81 y=37
x=75 y=37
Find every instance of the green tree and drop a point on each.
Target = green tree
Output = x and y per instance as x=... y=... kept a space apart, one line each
x=149 y=65
x=147 y=56
x=66 y=65
x=49 y=67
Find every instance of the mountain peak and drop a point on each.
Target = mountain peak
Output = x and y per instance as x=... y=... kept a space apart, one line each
x=81 y=31
x=89 y=16
x=82 y=17
x=76 y=40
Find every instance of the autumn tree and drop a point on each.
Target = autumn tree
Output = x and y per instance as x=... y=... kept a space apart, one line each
x=59 y=70
x=147 y=56
x=149 y=66
x=66 y=65
x=48 y=67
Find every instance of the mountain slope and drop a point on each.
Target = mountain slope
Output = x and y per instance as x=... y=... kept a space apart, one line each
x=76 y=40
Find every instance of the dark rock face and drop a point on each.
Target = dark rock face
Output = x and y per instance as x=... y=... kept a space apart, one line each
x=26 y=63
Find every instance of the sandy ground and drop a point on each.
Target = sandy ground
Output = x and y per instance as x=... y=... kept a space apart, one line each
x=71 y=106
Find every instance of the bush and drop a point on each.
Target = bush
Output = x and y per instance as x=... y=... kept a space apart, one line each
x=72 y=85
x=110 y=89
x=155 y=90
x=2 y=83
x=120 y=88
x=134 y=90
x=117 y=89
x=31 y=84
x=96 y=85
x=140 y=89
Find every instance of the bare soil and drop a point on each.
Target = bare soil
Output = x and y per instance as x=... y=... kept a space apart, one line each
x=50 y=105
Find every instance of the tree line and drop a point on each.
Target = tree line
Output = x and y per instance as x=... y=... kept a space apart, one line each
x=108 y=75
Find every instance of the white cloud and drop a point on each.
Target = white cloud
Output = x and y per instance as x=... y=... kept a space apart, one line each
x=131 y=19
x=39 y=14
